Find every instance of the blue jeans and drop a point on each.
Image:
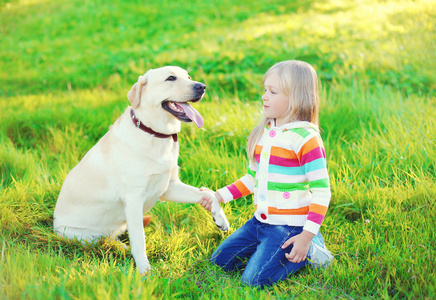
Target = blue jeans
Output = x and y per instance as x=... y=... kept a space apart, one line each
x=258 y=245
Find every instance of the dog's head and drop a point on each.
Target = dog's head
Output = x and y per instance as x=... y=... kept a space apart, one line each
x=161 y=99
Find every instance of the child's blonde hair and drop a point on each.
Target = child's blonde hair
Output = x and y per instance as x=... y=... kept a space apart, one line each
x=298 y=81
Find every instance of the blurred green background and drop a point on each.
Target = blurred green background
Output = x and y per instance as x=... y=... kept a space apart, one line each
x=51 y=45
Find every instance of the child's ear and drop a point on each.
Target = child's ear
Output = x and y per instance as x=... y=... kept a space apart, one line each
x=134 y=95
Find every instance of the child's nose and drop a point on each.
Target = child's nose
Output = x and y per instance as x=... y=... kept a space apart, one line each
x=264 y=98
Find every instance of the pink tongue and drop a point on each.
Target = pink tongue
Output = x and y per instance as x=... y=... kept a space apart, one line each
x=192 y=114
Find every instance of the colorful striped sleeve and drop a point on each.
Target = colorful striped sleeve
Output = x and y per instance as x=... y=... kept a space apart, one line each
x=313 y=161
x=242 y=187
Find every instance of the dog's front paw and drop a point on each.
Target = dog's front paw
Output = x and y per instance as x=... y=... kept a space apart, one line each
x=144 y=268
x=219 y=217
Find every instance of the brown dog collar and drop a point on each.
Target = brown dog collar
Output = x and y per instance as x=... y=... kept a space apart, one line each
x=144 y=128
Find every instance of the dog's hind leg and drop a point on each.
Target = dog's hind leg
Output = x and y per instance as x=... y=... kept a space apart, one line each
x=82 y=235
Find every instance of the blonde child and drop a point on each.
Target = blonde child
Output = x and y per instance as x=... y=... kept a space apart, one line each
x=288 y=176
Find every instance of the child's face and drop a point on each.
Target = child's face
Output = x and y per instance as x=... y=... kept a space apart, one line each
x=275 y=102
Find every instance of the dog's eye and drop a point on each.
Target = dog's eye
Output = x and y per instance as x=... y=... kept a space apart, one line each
x=171 y=78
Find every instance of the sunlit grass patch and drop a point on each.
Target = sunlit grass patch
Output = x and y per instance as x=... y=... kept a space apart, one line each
x=382 y=186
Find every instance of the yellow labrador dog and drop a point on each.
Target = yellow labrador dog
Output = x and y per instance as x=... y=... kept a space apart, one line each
x=134 y=165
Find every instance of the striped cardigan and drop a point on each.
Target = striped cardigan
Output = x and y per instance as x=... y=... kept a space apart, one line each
x=290 y=180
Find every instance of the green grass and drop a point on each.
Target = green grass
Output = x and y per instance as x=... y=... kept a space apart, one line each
x=65 y=69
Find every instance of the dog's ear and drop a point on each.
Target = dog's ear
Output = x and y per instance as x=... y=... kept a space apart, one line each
x=134 y=95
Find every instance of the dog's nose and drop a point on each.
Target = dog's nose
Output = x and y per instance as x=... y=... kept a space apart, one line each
x=199 y=87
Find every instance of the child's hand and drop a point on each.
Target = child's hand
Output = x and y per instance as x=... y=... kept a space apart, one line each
x=206 y=201
x=301 y=244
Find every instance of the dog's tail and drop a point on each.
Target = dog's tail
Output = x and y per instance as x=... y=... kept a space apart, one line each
x=146 y=220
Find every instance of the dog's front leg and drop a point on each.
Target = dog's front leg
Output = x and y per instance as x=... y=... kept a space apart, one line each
x=134 y=214
x=180 y=192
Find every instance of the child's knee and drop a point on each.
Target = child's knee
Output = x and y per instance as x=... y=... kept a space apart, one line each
x=226 y=262
x=250 y=281
x=215 y=258
x=219 y=260
x=262 y=277
x=256 y=281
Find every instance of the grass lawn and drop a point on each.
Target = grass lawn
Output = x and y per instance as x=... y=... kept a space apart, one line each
x=65 y=70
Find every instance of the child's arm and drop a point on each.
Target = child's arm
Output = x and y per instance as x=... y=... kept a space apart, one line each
x=313 y=161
